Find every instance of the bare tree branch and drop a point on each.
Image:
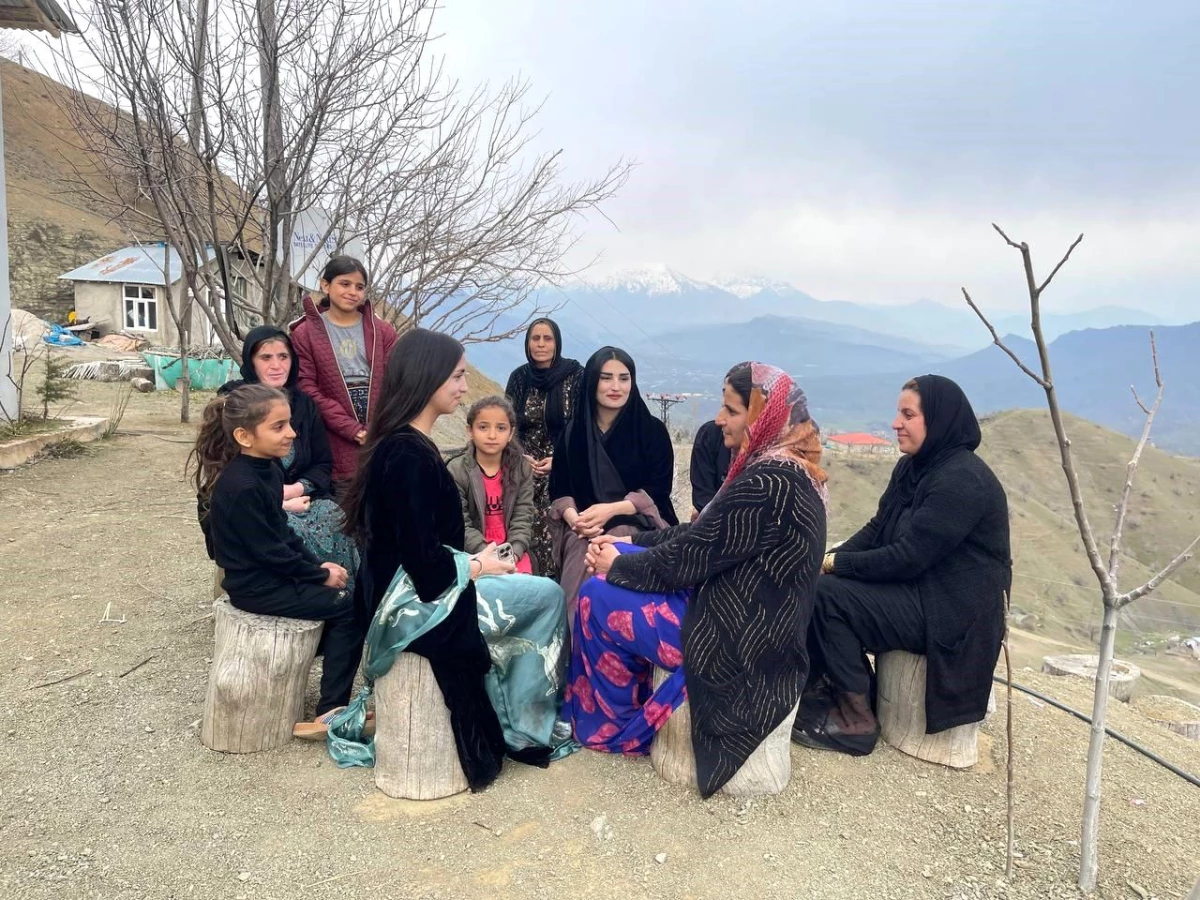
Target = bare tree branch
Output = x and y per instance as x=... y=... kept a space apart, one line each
x=1163 y=574
x=1062 y=262
x=223 y=126
x=1114 y=548
x=1000 y=343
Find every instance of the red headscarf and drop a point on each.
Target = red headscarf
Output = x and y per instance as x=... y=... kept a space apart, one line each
x=780 y=427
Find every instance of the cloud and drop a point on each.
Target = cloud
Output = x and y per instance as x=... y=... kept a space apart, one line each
x=861 y=149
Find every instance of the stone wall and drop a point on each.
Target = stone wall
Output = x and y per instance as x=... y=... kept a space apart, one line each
x=39 y=253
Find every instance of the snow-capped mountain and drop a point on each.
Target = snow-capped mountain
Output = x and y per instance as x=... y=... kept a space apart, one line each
x=749 y=287
x=652 y=280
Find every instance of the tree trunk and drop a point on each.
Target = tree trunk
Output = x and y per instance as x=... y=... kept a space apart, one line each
x=767 y=771
x=415 y=754
x=258 y=679
x=185 y=382
x=901 y=710
x=1089 y=862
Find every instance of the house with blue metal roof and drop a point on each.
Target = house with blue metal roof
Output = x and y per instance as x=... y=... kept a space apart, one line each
x=128 y=290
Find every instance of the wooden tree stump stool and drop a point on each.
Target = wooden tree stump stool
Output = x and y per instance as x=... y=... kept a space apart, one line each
x=415 y=755
x=257 y=680
x=1172 y=713
x=1121 y=677
x=767 y=771
x=900 y=706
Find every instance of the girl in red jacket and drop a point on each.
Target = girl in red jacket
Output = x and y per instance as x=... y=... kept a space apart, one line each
x=343 y=350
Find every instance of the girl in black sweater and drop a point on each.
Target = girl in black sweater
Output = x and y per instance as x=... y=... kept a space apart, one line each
x=268 y=568
x=927 y=574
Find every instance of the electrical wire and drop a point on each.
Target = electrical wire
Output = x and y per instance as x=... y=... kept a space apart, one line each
x=1149 y=754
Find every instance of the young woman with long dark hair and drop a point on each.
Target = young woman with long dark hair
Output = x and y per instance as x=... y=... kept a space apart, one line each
x=404 y=510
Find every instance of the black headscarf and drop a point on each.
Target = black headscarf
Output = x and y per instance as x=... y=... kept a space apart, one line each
x=634 y=454
x=312 y=459
x=950 y=428
x=550 y=380
x=255 y=339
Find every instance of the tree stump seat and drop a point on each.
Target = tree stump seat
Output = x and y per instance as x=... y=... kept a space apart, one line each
x=1122 y=676
x=415 y=754
x=900 y=707
x=257 y=680
x=766 y=771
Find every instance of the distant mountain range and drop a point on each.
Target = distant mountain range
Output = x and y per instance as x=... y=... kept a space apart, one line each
x=852 y=358
x=1093 y=372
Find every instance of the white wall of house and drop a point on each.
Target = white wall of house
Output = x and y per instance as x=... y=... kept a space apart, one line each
x=142 y=309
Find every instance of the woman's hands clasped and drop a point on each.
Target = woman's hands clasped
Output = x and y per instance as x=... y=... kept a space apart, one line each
x=601 y=552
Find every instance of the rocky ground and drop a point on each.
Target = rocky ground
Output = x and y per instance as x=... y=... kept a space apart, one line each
x=107 y=793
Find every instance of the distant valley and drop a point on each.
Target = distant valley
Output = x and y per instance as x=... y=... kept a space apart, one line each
x=852 y=359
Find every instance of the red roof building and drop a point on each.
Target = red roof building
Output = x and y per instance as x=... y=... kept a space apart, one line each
x=859 y=442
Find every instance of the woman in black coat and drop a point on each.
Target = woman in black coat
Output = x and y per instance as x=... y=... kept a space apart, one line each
x=928 y=574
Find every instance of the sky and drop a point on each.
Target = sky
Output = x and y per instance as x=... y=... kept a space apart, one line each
x=860 y=150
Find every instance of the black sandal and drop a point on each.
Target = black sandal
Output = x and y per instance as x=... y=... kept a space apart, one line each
x=826 y=734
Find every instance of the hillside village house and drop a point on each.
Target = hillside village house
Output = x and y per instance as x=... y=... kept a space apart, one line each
x=126 y=291
x=28 y=15
x=861 y=444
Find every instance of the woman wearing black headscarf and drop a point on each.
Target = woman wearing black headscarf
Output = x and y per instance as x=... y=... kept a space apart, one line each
x=927 y=574
x=614 y=470
x=544 y=392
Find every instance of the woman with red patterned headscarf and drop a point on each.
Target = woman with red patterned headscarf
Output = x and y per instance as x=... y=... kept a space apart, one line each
x=723 y=603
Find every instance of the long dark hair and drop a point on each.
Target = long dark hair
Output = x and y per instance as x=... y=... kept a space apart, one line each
x=243 y=407
x=420 y=363
x=513 y=454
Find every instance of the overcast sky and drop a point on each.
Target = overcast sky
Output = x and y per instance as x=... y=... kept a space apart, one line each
x=861 y=149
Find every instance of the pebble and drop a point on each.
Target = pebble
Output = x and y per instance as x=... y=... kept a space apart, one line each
x=149 y=730
x=660 y=858
x=244 y=876
x=601 y=829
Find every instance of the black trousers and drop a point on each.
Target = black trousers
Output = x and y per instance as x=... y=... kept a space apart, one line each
x=853 y=617
x=341 y=642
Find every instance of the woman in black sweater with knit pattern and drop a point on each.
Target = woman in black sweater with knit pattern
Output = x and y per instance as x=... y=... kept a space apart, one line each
x=928 y=574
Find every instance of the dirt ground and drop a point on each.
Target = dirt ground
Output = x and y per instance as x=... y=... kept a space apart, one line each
x=107 y=793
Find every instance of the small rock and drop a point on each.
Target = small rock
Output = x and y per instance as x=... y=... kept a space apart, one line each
x=1138 y=889
x=601 y=829
x=244 y=876
x=149 y=730
x=660 y=858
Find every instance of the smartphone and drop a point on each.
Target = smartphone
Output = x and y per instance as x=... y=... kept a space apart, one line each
x=504 y=553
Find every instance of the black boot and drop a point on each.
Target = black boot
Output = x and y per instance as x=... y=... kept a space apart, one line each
x=847 y=727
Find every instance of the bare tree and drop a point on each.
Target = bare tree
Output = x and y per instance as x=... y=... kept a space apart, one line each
x=1106 y=571
x=232 y=127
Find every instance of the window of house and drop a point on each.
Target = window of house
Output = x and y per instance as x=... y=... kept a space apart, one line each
x=141 y=307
